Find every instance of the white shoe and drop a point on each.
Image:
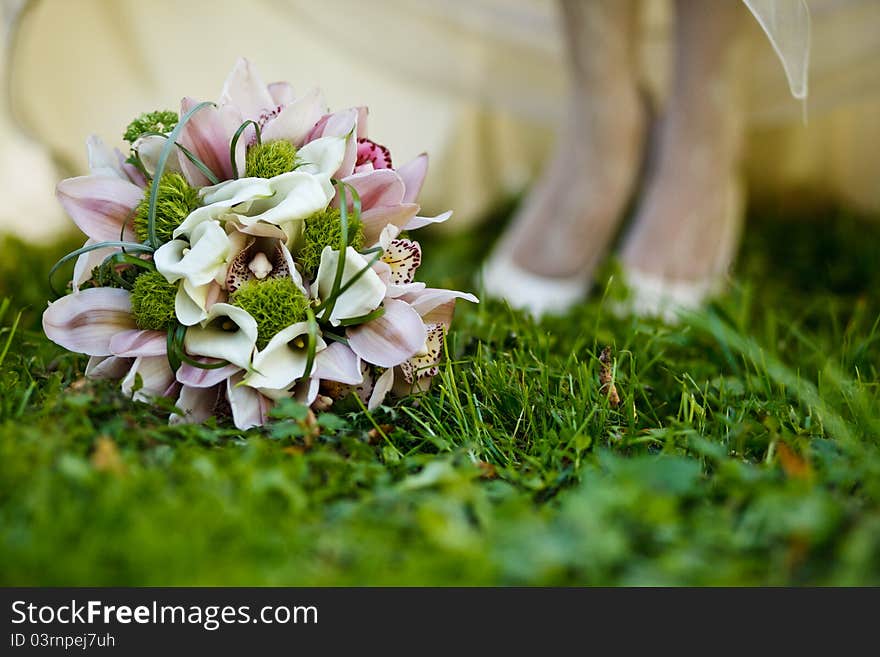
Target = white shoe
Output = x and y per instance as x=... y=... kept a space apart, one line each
x=539 y=295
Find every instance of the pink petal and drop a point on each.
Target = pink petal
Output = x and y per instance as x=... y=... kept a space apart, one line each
x=86 y=321
x=362 y=114
x=338 y=363
x=413 y=174
x=390 y=339
x=208 y=135
x=197 y=405
x=136 y=343
x=421 y=222
x=107 y=367
x=296 y=120
x=86 y=262
x=249 y=407
x=282 y=93
x=200 y=377
x=435 y=305
x=306 y=392
x=100 y=205
x=156 y=377
x=381 y=389
x=382 y=187
x=376 y=219
x=246 y=90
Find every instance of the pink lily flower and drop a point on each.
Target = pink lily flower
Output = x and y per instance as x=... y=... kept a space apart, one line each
x=98 y=322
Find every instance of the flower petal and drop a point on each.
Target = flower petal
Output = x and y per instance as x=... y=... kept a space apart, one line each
x=338 y=363
x=382 y=187
x=135 y=343
x=86 y=262
x=107 y=367
x=377 y=219
x=283 y=360
x=380 y=389
x=228 y=333
x=156 y=377
x=197 y=405
x=199 y=264
x=403 y=257
x=413 y=175
x=282 y=93
x=208 y=135
x=420 y=222
x=322 y=156
x=249 y=407
x=149 y=148
x=102 y=160
x=86 y=321
x=296 y=195
x=246 y=90
x=297 y=119
x=436 y=305
x=364 y=295
x=390 y=339
x=100 y=205
x=201 y=377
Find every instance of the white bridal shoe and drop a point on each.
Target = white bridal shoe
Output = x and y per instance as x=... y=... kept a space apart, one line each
x=522 y=289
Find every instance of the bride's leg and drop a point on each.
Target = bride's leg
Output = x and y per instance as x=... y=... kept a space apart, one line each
x=545 y=259
x=686 y=230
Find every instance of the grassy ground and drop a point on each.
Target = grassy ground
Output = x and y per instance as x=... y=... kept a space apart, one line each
x=745 y=448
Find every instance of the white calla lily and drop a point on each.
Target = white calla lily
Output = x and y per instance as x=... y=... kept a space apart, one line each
x=228 y=333
x=283 y=361
x=322 y=156
x=198 y=263
x=283 y=201
x=362 y=297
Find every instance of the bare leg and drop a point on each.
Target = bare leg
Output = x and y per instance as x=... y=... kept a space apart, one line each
x=545 y=260
x=686 y=231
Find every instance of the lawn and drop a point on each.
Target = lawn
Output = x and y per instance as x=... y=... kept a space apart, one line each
x=744 y=449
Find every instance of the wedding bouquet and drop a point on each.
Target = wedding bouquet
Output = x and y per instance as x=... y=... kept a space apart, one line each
x=247 y=251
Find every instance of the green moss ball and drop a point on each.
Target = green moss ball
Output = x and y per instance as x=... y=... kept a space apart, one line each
x=274 y=303
x=176 y=199
x=325 y=229
x=270 y=159
x=152 y=301
x=162 y=121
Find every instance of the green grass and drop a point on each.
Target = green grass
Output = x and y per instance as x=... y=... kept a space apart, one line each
x=745 y=449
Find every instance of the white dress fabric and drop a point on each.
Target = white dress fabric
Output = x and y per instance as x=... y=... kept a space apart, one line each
x=479 y=84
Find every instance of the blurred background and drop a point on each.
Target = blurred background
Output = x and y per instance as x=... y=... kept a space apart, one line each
x=479 y=84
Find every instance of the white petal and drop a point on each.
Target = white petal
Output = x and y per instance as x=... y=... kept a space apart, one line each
x=249 y=407
x=362 y=297
x=338 y=363
x=296 y=195
x=149 y=149
x=209 y=339
x=392 y=338
x=322 y=156
x=420 y=222
x=107 y=367
x=381 y=389
x=189 y=310
x=155 y=374
x=197 y=405
x=283 y=360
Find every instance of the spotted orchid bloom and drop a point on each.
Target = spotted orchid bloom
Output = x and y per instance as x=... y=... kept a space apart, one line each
x=248 y=251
